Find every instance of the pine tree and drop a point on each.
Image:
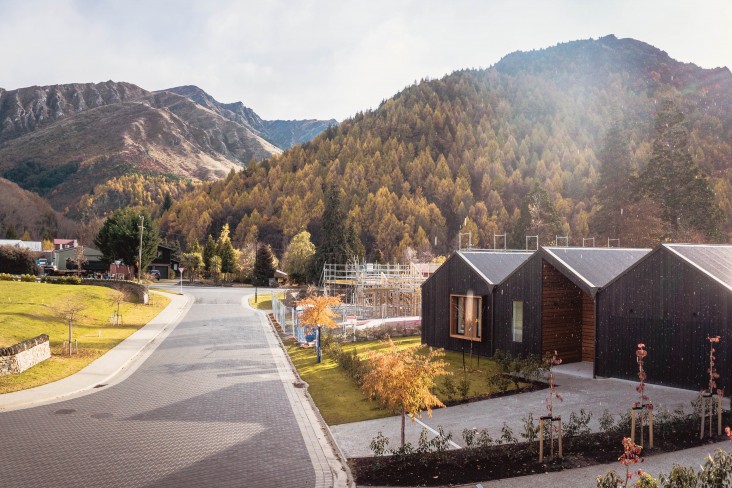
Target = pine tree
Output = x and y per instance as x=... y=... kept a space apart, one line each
x=263 y=267
x=225 y=250
x=10 y=232
x=615 y=184
x=538 y=217
x=209 y=251
x=675 y=182
x=339 y=240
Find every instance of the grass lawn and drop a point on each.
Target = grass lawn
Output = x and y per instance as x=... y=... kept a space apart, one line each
x=30 y=309
x=340 y=400
x=264 y=300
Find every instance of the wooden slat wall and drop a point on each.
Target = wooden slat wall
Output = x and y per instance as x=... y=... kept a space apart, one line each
x=671 y=307
x=524 y=285
x=561 y=315
x=588 y=328
x=454 y=277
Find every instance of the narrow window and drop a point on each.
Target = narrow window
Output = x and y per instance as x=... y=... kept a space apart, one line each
x=518 y=321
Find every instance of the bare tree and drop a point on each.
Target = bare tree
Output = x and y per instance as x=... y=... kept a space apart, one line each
x=118 y=298
x=70 y=312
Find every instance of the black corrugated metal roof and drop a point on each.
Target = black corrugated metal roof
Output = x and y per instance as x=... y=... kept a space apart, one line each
x=713 y=260
x=495 y=266
x=594 y=267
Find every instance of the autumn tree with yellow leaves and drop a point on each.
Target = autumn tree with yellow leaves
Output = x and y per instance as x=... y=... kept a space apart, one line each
x=317 y=313
x=402 y=379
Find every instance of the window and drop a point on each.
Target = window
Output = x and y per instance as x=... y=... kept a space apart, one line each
x=466 y=317
x=518 y=321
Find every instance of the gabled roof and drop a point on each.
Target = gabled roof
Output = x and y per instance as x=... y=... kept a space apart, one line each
x=494 y=266
x=713 y=260
x=591 y=268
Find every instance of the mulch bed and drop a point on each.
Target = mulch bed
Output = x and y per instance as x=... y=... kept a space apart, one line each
x=512 y=460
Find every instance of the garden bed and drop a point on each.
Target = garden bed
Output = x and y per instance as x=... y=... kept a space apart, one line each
x=471 y=465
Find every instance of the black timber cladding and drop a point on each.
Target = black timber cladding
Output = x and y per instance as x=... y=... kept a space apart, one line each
x=671 y=301
x=463 y=273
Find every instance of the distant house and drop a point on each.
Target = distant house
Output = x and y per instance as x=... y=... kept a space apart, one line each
x=671 y=300
x=425 y=269
x=65 y=260
x=59 y=244
x=164 y=262
x=34 y=246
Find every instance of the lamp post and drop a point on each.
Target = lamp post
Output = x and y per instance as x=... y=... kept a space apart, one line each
x=139 y=266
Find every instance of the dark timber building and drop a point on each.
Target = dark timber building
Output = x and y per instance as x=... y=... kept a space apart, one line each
x=671 y=300
x=525 y=303
x=457 y=300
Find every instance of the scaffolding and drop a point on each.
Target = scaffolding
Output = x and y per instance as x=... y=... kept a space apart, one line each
x=375 y=291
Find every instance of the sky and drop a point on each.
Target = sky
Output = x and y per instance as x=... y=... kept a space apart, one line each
x=324 y=59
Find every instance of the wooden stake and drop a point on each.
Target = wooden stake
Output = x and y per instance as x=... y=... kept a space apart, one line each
x=541 y=440
x=560 y=436
x=719 y=414
x=703 y=415
x=650 y=428
x=632 y=426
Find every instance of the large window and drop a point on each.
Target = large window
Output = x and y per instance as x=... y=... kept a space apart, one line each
x=466 y=317
x=518 y=321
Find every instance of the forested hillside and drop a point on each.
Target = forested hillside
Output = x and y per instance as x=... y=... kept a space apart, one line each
x=476 y=147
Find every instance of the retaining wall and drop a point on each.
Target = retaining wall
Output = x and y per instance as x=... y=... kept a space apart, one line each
x=24 y=355
x=136 y=290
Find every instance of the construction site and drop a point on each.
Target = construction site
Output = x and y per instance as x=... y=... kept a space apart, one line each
x=376 y=291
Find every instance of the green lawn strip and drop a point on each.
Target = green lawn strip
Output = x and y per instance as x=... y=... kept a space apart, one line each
x=340 y=400
x=337 y=396
x=264 y=300
x=30 y=309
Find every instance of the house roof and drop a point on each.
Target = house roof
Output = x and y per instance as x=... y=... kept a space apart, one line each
x=712 y=260
x=591 y=268
x=494 y=266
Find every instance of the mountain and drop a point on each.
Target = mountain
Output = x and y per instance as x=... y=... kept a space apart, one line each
x=61 y=141
x=282 y=133
x=26 y=211
x=465 y=152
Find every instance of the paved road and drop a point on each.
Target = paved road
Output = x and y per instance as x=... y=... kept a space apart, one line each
x=209 y=407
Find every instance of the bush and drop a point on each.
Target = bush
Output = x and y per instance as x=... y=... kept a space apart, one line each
x=28 y=278
x=353 y=365
x=18 y=261
x=578 y=424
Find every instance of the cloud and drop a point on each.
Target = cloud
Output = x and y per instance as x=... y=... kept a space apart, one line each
x=318 y=58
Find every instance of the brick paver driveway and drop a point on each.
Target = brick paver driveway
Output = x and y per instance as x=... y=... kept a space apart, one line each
x=207 y=409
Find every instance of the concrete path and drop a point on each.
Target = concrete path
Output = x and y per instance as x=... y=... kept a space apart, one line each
x=593 y=395
x=213 y=404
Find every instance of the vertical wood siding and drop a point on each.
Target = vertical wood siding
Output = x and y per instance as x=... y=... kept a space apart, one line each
x=561 y=316
x=588 y=328
x=458 y=278
x=524 y=285
x=671 y=307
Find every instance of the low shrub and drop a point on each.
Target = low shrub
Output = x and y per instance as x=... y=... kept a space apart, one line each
x=351 y=363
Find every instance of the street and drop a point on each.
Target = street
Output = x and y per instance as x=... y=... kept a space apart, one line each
x=208 y=407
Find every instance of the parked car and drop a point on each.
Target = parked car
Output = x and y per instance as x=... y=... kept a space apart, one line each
x=155 y=274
